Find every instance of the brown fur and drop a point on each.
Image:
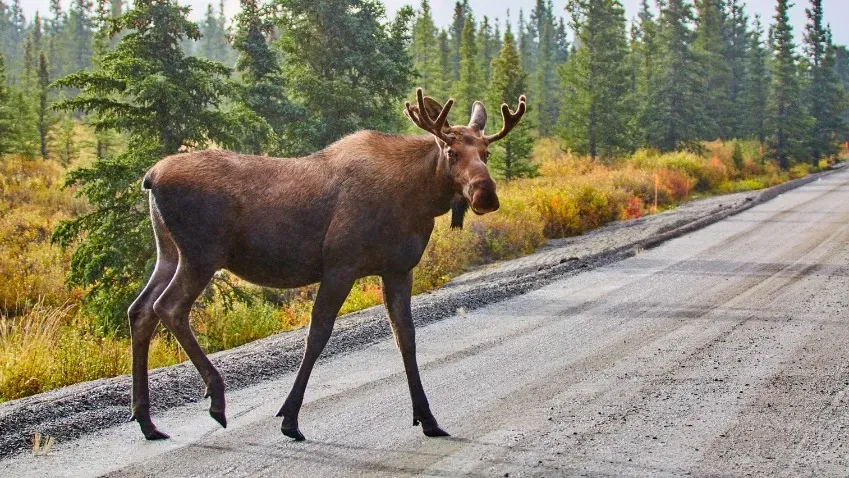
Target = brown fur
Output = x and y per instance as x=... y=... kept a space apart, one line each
x=363 y=206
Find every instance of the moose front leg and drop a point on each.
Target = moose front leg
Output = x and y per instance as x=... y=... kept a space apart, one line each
x=396 y=295
x=331 y=295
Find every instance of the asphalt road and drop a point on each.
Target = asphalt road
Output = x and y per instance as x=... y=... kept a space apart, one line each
x=723 y=352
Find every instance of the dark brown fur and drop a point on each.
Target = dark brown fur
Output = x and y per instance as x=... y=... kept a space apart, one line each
x=363 y=206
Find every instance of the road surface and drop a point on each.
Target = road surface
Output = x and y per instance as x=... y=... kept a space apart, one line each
x=723 y=352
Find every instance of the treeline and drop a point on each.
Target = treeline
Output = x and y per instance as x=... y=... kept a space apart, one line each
x=698 y=72
x=288 y=77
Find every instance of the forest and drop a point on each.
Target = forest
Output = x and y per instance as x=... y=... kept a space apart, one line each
x=626 y=117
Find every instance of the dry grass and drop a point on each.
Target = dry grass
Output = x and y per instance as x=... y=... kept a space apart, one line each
x=45 y=342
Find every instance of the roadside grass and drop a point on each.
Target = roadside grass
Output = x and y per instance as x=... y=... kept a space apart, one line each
x=46 y=342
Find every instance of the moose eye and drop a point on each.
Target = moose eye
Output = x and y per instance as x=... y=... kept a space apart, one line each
x=452 y=157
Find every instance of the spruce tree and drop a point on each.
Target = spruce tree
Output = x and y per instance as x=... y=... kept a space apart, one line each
x=546 y=85
x=81 y=32
x=424 y=50
x=7 y=128
x=510 y=158
x=647 y=52
x=213 y=41
x=471 y=85
x=526 y=44
x=755 y=89
x=826 y=98
x=597 y=110
x=262 y=88
x=486 y=49
x=736 y=56
x=57 y=44
x=674 y=113
x=165 y=102
x=446 y=66
x=29 y=66
x=711 y=47
x=43 y=111
x=346 y=66
x=461 y=11
x=561 y=43
x=788 y=120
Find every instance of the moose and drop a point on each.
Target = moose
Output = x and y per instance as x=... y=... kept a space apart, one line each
x=363 y=206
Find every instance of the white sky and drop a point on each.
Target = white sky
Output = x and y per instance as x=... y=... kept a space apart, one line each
x=836 y=11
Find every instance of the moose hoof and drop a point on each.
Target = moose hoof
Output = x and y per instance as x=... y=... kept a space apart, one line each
x=219 y=417
x=293 y=433
x=429 y=427
x=155 y=435
x=435 y=432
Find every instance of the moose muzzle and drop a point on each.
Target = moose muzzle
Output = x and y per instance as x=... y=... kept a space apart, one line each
x=482 y=197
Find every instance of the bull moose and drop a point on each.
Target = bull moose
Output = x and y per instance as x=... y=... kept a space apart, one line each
x=363 y=206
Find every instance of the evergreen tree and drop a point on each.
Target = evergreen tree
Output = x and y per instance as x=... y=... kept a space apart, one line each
x=826 y=98
x=165 y=101
x=7 y=128
x=646 y=51
x=28 y=65
x=470 y=87
x=510 y=158
x=788 y=120
x=13 y=34
x=425 y=53
x=37 y=34
x=710 y=47
x=345 y=66
x=597 y=108
x=495 y=43
x=756 y=87
x=81 y=31
x=561 y=43
x=105 y=139
x=5 y=29
x=526 y=44
x=57 y=45
x=486 y=47
x=546 y=89
x=841 y=64
x=736 y=56
x=674 y=112
x=446 y=67
x=43 y=111
x=461 y=11
x=213 y=43
x=262 y=89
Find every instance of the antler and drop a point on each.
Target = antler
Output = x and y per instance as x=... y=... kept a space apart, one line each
x=510 y=120
x=418 y=114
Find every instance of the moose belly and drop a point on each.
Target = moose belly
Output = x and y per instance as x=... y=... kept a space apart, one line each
x=275 y=261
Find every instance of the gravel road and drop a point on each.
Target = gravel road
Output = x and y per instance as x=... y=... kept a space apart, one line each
x=721 y=352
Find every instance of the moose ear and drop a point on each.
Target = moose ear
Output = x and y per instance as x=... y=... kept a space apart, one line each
x=478 y=116
x=433 y=108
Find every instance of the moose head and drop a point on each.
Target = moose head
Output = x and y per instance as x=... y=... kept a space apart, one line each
x=465 y=151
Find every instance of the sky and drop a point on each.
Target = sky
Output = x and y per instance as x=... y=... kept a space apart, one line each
x=836 y=11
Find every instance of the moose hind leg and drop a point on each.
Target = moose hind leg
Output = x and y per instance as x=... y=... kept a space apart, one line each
x=331 y=295
x=143 y=322
x=396 y=295
x=173 y=309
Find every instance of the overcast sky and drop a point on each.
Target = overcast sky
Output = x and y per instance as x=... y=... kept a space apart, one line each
x=836 y=11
